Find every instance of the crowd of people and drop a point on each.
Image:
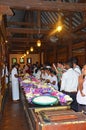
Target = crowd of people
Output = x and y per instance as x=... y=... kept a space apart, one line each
x=66 y=77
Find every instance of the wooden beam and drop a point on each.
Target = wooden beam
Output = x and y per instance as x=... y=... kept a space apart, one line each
x=82 y=1
x=31 y=24
x=44 y=5
x=79 y=27
x=4 y=9
x=26 y=31
x=23 y=40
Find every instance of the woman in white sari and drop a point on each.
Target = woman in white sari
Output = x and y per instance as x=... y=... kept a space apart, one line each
x=15 y=83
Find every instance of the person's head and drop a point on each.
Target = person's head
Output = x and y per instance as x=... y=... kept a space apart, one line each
x=60 y=64
x=6 y=63
x=84 y=70
x=47 y=70
x=74 y=61
x=68 y=64
x=42 y=70
x=52 y=73
x=16 y=65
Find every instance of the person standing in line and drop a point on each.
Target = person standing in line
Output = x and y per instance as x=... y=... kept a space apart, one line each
x=81 y=94
x=15 y=82
x=6 y=73
x=3 y=70
x=69 y=84
x=76 y=67
x=59 y=69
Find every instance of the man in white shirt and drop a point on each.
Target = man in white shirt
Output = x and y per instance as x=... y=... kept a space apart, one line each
x=76 y=67
x=44 y=74
x=69 y=84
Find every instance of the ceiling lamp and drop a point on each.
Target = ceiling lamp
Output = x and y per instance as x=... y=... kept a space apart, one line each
x=38 y=43
x=6 y=41
x=31 y=49
x=24 y=54
x=27 y=52
x=59 y=28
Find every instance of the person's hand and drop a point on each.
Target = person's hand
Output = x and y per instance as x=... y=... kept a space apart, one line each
x=82 y=94
x=54 y=66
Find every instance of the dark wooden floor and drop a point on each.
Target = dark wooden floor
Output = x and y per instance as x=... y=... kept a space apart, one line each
x=13 y=115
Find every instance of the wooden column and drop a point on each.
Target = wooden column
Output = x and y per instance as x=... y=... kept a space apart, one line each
x=69 y=53
x=70 y=39
x=55 y=54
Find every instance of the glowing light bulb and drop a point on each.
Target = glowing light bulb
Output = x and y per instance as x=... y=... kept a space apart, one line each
x=31 y=49
x=27 y=52
x=38 y=43
x=59 y=28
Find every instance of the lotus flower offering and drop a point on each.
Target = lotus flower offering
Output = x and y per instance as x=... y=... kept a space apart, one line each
x=34 y=88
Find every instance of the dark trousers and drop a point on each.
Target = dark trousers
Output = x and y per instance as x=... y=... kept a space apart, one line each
x=81 y=107
x=74 y=104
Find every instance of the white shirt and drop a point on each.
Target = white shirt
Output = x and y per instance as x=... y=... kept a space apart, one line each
x=69 y=81
x=82 y=99
x=6 y=74
x=77 y=70
x=54 y=78
x=44 y=76
x=38 y=74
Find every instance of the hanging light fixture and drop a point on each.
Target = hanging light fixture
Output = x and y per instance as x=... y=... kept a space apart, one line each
x=59 y=28
x=27 y=52
x=59 y=24
x=39 y=36
x=39 y=43
x=31 y=49
x=24 y=54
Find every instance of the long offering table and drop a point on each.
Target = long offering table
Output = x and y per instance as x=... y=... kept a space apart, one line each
x=52 y=117
x=58 y=116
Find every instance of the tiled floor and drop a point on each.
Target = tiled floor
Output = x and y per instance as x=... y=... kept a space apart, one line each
x=13 y=116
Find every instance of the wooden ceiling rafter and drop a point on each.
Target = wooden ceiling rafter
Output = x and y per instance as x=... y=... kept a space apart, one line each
x=30 y=28
x=79 y=27
x=44 y=5
x=26 y=30
x=5 y=10
x=23 y=40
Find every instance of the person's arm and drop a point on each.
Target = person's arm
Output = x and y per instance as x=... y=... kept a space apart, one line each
x=63 y=83
x=54 y=82
x=55 y=68
x=80 y=84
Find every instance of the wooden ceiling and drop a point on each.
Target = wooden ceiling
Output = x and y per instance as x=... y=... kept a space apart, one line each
x=29 y=20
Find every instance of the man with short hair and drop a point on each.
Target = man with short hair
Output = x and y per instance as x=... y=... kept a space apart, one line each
x=69 y=84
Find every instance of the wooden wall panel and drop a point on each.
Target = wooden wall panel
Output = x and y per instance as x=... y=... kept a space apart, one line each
x=79 y=51
x=62 y=54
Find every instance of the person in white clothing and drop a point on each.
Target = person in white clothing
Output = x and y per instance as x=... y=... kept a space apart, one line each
x=15 y=83
x=44 y=75
x=81 y=94
x=51 y=79
x=54 y=80
x=6 y=73
x=69 y=83
x=76 y=67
